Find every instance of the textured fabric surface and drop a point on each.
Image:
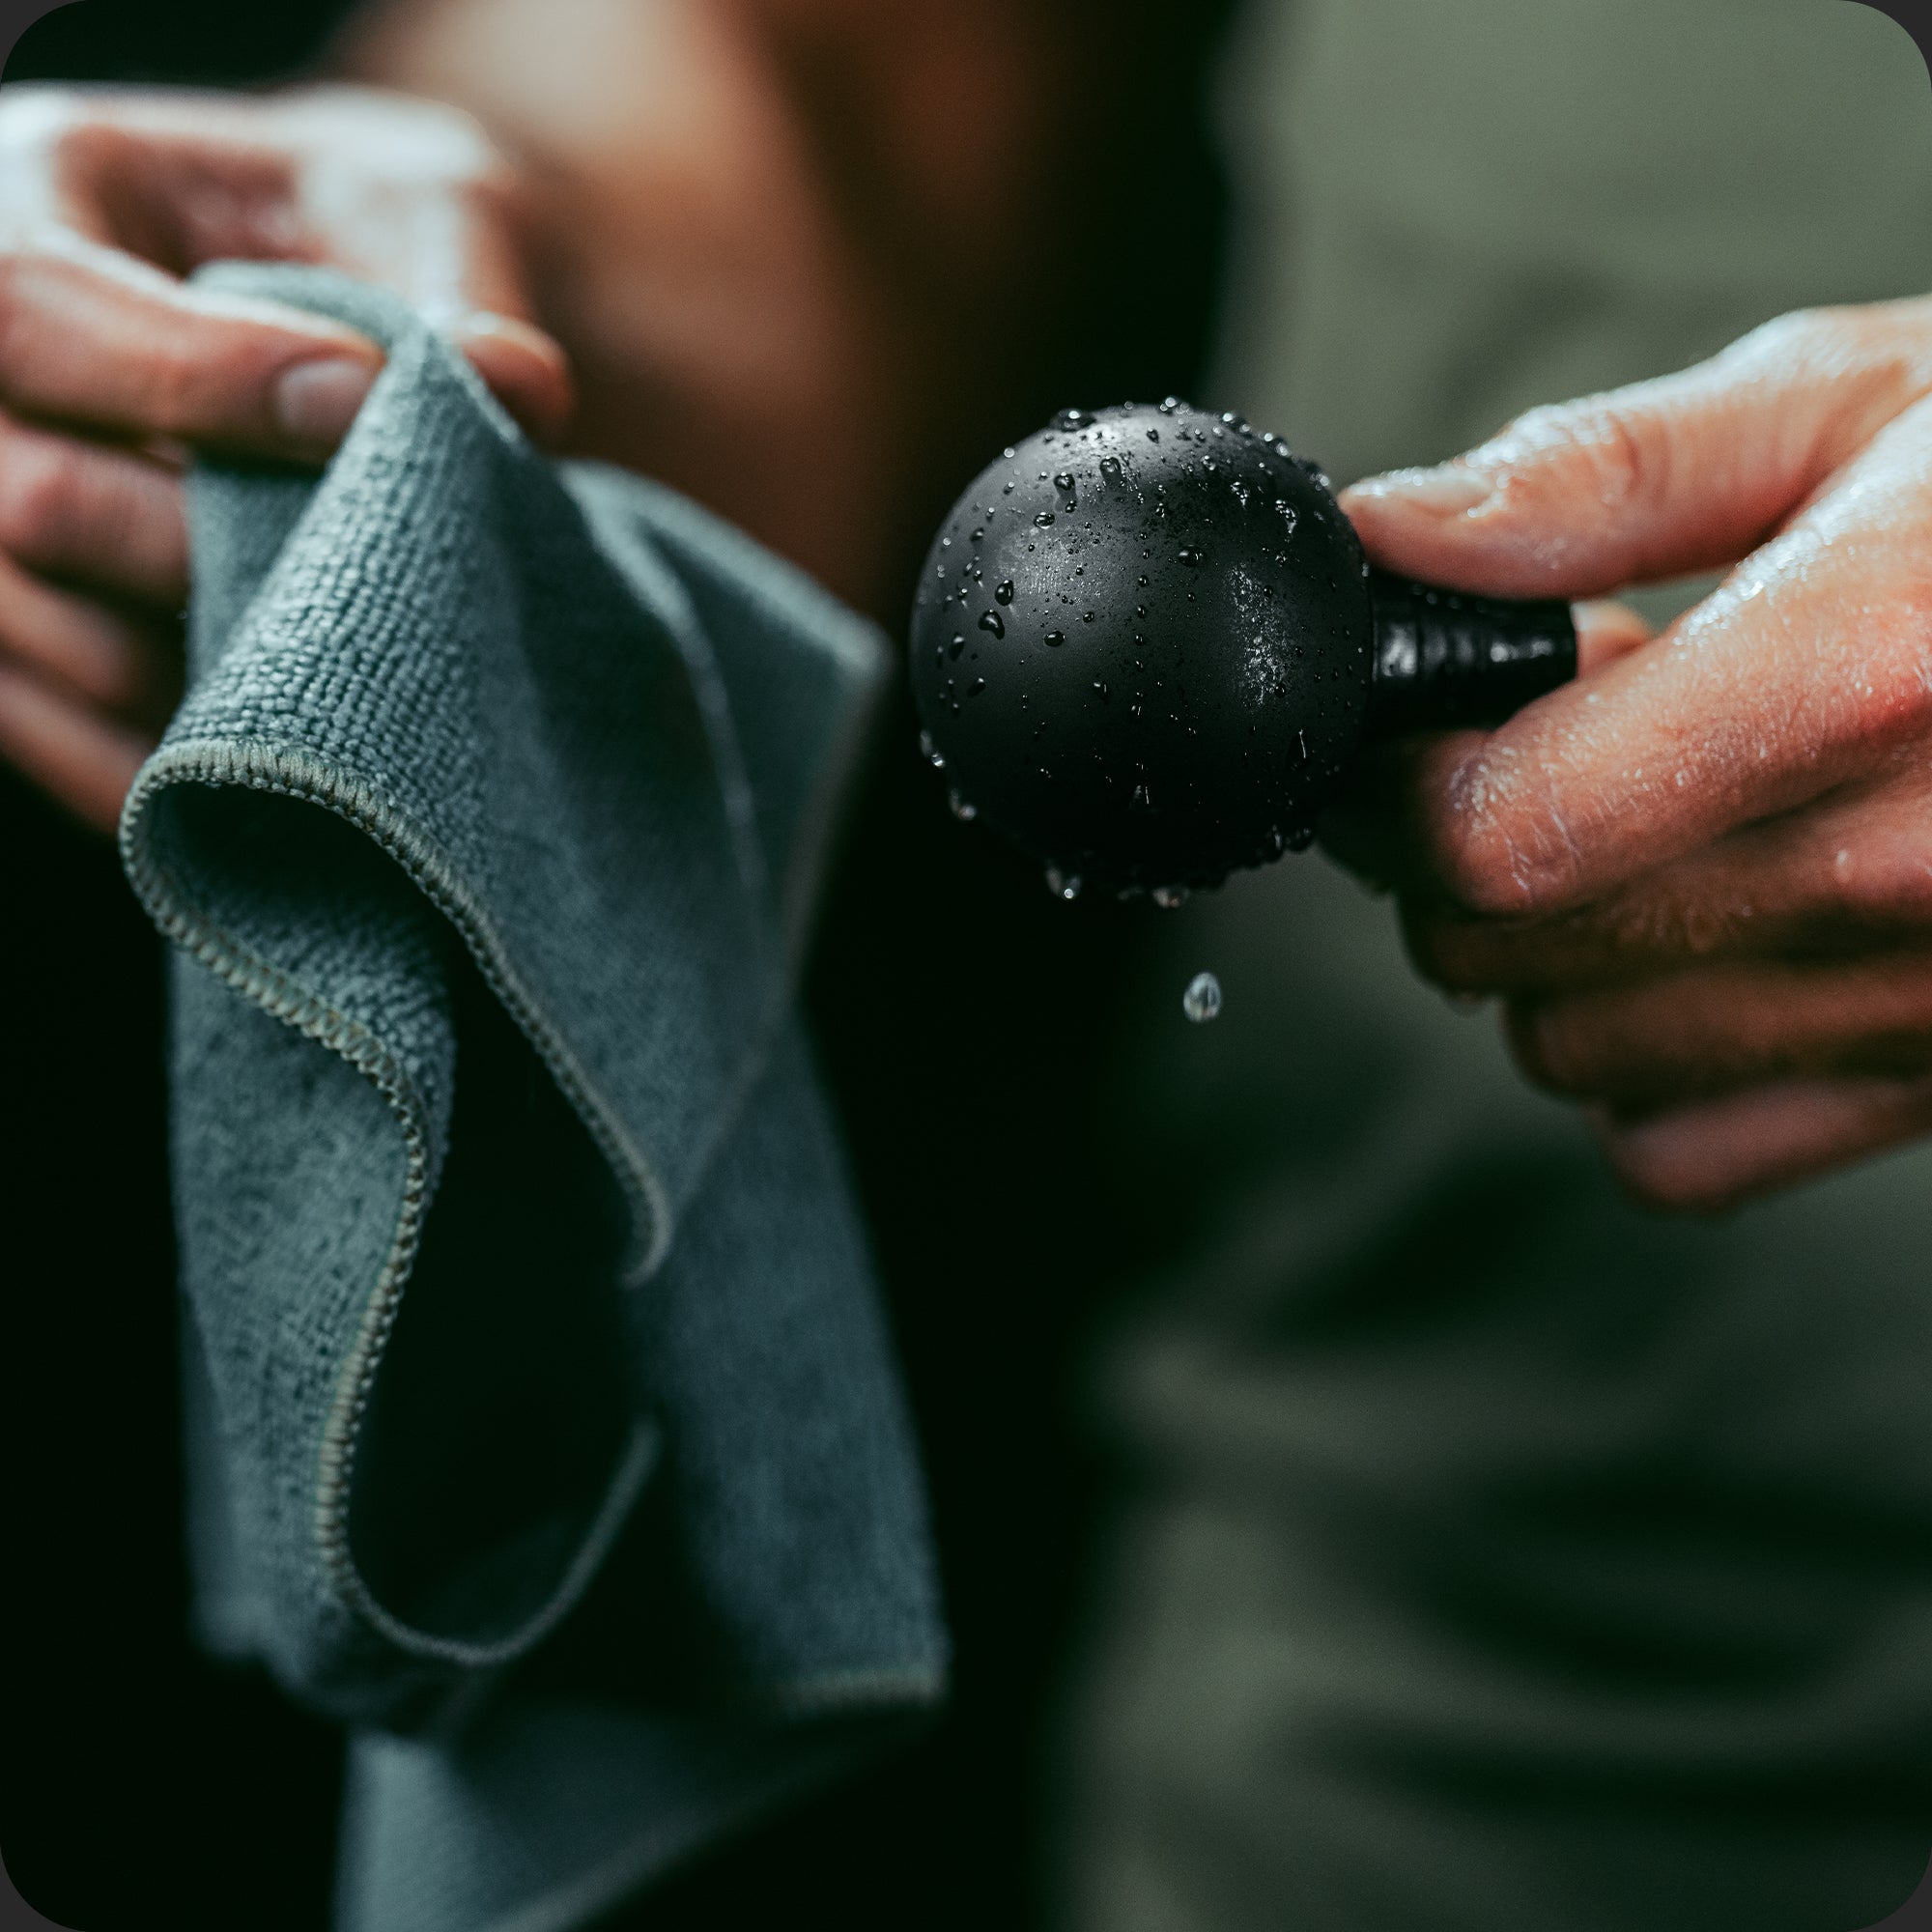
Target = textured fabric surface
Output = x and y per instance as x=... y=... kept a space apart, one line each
x=1498 y=1556
x=549 y=1434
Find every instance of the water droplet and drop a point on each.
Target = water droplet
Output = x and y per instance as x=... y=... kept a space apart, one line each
x=930 y=752
x=960 y=808
x=1189 y=555
x=1202 y=1001
x=1301 y=838
x=1110 y=467
x=1064 y=480
x=973 y=689
x=1004 y=590
x=1056 y=638
x=1170 y=896
x=1086 y=616
x=978 y=536
x=1063 y=885
x=957 y=645
x=1142 y=797
x=1142 y=582
x=1169 y=405
x=1044 y=518
x=1101 y=688
x=991 y=620
x=1008 y=453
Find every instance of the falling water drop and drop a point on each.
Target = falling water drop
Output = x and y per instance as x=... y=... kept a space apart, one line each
x=1004 y=590
x=1201 y=1000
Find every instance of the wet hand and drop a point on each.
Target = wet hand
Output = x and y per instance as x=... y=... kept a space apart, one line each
x=1700 y=878
x=111 y=366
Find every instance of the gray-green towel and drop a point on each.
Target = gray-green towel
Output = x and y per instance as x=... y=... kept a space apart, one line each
x=548 y=1433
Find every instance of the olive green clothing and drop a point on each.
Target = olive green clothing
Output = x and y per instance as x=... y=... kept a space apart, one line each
x=1493 y=1555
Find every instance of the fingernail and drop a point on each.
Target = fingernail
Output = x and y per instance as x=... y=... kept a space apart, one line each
x=1444 y=491
x=316 y=402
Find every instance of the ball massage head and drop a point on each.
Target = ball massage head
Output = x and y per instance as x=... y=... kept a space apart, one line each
x=1147 y=647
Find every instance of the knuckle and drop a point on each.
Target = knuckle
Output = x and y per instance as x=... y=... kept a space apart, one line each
x=171 y=384
x=1797 y=333
x=1629 y=457
x=1620 y=446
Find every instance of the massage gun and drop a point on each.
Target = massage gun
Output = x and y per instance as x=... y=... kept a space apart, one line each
x=1147 y=647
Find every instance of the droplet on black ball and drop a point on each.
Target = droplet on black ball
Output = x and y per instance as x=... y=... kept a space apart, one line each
x=991 y=620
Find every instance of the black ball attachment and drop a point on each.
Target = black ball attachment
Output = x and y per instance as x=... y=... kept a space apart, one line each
x=1147 y=647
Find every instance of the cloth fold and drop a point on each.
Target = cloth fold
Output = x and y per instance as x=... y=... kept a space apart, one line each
x=551 y=1437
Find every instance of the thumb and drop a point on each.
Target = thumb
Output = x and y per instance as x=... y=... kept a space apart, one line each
x=1666 y=478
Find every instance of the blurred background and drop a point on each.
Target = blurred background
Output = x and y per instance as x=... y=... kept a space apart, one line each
x=1353 y=1514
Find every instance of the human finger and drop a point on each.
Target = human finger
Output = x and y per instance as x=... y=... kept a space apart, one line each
x=1730 y=1024
x=413 y=195
x=104 y=656
x=92 y=337
x=1718 y=1154
x=1685 y=473
x=1850 y=874
x=69 y=747
x=1606 y=631
x=75 y=508
x=1794 y=676
x=407 y=194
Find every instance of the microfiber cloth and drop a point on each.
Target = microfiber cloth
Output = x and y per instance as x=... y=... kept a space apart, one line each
x=544 y=1431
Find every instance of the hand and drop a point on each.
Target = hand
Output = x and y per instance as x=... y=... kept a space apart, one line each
x=1700 y=878
x=110 y=364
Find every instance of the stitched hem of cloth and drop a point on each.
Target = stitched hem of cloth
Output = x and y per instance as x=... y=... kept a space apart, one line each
x=296 y=773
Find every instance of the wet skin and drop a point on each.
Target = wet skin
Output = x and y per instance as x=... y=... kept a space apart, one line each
x=1699 y=879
